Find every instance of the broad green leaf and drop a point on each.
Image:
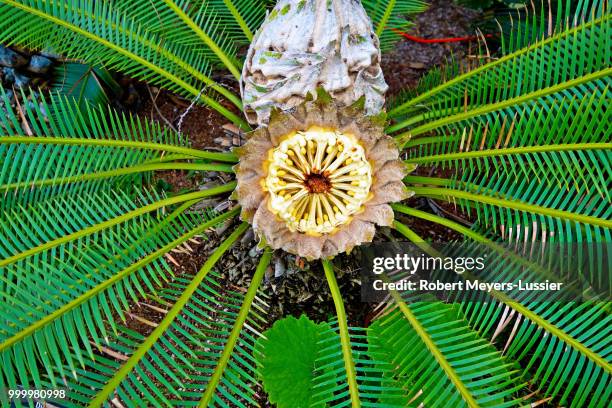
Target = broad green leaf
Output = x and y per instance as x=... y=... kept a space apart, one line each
x=287 y=361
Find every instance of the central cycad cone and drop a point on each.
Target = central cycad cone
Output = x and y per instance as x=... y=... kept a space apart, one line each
x=319 y=173
x=317 y=179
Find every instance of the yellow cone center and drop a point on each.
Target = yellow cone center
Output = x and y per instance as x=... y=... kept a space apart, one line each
x=317 y=180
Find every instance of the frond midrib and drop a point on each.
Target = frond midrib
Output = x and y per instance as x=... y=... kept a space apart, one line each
x=514 y=204
x=509 y=151
x=178 y=61
x=172 y=314
x=196 y=153
x=243 y=25
x=401 y=138
x=204 y=37
x=435 y=351
x=345 y=340
x=387 y=14
x=141 y=168
x=116 y=278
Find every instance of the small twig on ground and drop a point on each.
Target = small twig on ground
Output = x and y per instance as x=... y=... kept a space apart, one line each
x=153 y=101
x=189 y=108
x=446 y=214
x=155 y=308
x=114 y=354
x=27 y=129
x=141 y=319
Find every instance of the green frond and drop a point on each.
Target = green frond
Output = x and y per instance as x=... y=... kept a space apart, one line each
x=526 y=76
x=555 y=214
x=100 y=34
x=229 y=24
x=541 y=330
x=539 y=20
x=541 y=154
x=188 y=330
x=594 y=274
x=85 y=83
x=577 y=371
x=571 y=177
x=81 y=149
x=576 y=89
x=540 y=150
x=374 y=387
x=194 y=25
x=248 y=15
x=45 y=244
x=433 y=353
x=396 y=363
x=391 y=14
x=55 y=304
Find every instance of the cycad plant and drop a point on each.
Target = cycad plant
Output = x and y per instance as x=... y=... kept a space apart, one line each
x=523 y=137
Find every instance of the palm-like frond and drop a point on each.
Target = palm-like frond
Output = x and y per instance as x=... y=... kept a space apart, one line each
x=544 y=152
x=100 y=34
x=387 y=15
x=186 y=24
x=578 y=329
x=95 y=278
x=539 y=20
x=87 y=84
x=521 y=133
x=430 y=356
x=433 y=353
x=229 y=23
x=522 y=78
x=77 y=166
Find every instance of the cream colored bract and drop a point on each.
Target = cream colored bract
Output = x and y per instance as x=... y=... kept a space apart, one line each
x=317 y=180
x=305 y=45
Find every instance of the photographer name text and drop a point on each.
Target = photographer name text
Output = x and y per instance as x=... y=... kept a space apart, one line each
x=436 y=285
